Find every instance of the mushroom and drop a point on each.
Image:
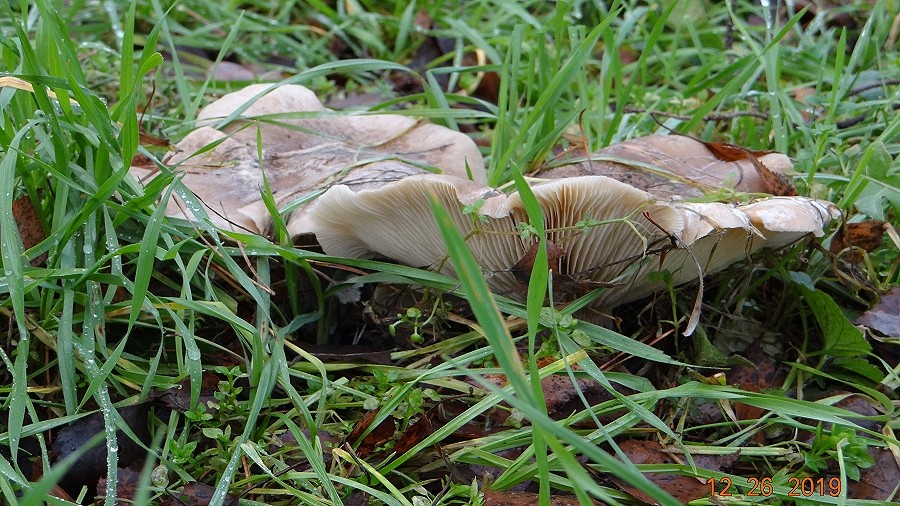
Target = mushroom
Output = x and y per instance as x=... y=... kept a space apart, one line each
x=604 y=232
x=305 y=148
x=673 y=166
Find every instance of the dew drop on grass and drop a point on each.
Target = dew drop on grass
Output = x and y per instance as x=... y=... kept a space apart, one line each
x=193 y=354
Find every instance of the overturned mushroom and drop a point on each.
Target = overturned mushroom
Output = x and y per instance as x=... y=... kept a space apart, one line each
x=305 y=148
x=603 y=232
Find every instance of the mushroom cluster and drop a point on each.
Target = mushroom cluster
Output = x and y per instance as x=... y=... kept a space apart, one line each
x=611 y=219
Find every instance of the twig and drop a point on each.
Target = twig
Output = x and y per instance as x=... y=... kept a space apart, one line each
x=709 y=117
x=871 y=86
x=855 y=120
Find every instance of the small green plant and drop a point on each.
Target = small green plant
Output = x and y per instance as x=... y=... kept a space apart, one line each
x=839 y=444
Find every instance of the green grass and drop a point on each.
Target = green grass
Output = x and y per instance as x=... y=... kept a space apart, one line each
x=130 y=303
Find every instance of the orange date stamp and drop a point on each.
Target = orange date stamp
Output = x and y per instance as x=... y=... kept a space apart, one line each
x=763 y=487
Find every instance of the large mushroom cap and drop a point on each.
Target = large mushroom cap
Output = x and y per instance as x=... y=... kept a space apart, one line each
x=603 y=231
x=673 y=166
x=305 y=148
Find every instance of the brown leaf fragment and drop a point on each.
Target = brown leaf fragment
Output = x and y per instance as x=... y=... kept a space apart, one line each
x=379 y=435
x=683 y=488
x=357 y=498
x=127 y=482
x=732 y=152
x=778 y=184
x=563 y=284
x=523 y=268
x=286 y=445
x=30 y=229
x=510 y=498
x=151 y=140
x=865 y=235
x=562 y=397
x=762 y=373
x=196 y=494
x=489 y=422
x=91 y=465
x=37 y=472
x=179 y=396
x=884 y=317
x=414 y=434
x=861 y=405
x=878 y=482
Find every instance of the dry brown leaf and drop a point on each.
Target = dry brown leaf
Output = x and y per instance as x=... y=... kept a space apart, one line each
x=91 y=463
x=884 y=317
x=512 y=498
x=127 y=482
x=414 y=434
x=866 y=235
x=683 y=488
x=764 y=373
x=381 y=434
x=878 y=482
x=29 y=224
x=179 y=396
x=776 y=183
x=151 y=140
x=523 y=268
x=196 y=494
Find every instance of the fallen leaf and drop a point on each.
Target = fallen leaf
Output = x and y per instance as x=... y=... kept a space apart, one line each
x=878 y=482
x=776 y=183
x=127 y=482
x=511 y=498
x=762 y=373
x=865 y=235
x=683 y=488
x=562 y=397
x=151 y=140
x=555 y=256
x=884 y=317
x=29 y=224
x=37 y=472
x=286 y=443
x=414 y=434
x=179 y=396
x=196 y=494
x=91 y=466
x=379 y=435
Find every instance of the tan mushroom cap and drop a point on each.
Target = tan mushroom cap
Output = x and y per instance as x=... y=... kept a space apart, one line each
x=305 y=148
x=672 y=166
x=634 y=238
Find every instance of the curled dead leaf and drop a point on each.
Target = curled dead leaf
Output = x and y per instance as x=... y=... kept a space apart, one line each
x=865 y=235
